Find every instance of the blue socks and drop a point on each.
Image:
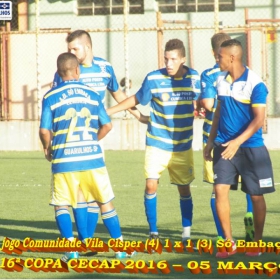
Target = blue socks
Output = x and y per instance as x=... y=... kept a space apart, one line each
x=186 y=207
x=80 y=215
x=111 y=222
x=215 y=216
x=249 y=203
x=92 y=219
x=64 y=223
x=150 y=202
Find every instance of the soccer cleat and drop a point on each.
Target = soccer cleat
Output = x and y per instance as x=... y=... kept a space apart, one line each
x=153 y=236
x=253 y=254
x=69 y=256
x=88 y=253
x=224 y=255
x=249 y=227
x=123 y=255
x=186 y=243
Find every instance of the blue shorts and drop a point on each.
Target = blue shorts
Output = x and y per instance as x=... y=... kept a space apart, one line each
x=252 y=164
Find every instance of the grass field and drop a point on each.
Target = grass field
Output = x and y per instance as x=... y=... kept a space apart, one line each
x=25 y=212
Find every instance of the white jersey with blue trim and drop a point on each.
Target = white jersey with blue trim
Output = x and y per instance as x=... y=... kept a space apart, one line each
x=99 y=75
x=170 y=125
x=236 y=102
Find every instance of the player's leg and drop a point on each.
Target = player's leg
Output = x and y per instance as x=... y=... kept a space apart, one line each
x=156 y=161
x=150 y=203
x=257 y=181
x=97 y=187
x=208 y=177
x=259 y=215
x=249 y=220
x=225 y=176
x=181 y=172
x=62 y=195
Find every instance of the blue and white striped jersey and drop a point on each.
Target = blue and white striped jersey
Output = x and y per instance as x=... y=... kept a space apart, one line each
x=99 y=75
x=171 y=108
x=237 y=100
x=74 y=112
x=208 y=90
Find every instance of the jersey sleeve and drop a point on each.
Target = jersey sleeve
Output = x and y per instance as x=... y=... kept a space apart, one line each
x=144 y=95
x=113 y=84
x=196 y=86
x=259 y=95
x=103 y=117
x=56 y=80
x=208 y=86
x=46 y=117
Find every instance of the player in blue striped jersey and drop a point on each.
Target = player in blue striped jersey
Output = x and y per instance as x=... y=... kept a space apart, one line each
x=236 y=136
x=99 y=74
x=172 y=92
x=208 y=100
x=73 y=121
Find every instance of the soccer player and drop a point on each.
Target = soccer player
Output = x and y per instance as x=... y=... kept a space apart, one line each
x=73 y=121
x=236 y=136
x=208 y=100
x=171 y=92
x=97 y=73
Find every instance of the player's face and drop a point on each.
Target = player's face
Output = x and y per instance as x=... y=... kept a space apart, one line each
x=174 y=63
x=224 y=59
x=79 y=49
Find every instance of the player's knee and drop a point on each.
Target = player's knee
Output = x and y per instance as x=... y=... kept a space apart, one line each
x=151 y=186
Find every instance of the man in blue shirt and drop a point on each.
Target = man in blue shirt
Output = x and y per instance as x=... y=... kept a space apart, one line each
x=73 y=122
x=98 y=74
x=172 y=92
x=208 y=100
x=236 y=136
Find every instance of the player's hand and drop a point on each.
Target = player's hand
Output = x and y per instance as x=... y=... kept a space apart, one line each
x=231 y=149
x=207 y=151
x=48 y=154
x=144 y=119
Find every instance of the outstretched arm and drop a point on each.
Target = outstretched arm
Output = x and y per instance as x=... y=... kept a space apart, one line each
x=128 y=103
x=120 y=96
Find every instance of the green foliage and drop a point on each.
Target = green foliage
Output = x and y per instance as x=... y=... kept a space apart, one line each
x=25 y=180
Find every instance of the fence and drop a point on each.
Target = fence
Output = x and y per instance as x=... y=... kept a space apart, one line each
x=131 y=35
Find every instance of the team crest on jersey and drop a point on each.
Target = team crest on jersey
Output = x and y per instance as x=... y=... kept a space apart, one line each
x=103 y=68
x=193 y=82
x=165 y=96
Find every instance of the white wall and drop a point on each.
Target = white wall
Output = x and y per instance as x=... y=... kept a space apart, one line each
x=126 y=135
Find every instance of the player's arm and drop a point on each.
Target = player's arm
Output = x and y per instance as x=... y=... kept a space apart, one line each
x=213 y=133
x=127 y=103
x=104 y=130
x=46 y=138
x=207 y=103
x=208 y=91
x=119 y=96
x=253 y=127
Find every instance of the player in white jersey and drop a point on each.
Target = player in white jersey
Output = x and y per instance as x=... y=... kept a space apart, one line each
x=236 y=136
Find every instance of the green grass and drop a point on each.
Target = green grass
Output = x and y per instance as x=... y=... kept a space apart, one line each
x=25 y=178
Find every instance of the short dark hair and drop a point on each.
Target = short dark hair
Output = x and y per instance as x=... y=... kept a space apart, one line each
x=78 y=34
x=122 y=82
x=175 y=44
x=217 y=39
x=230 y=43
x=66 y=62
